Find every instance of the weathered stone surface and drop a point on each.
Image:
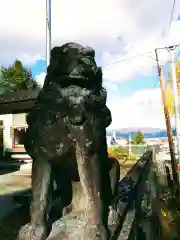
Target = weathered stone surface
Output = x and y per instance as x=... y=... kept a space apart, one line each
x=66 y=138
x=70 y=227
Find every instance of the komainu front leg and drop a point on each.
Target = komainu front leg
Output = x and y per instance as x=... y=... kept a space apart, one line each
x=39 y=227
x=114 y=173
x=90 y=177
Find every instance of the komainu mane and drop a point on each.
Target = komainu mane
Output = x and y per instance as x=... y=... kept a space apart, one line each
x=66 y=138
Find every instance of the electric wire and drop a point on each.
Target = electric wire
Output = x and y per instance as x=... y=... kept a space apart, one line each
x=171 y=17
x=127 y=59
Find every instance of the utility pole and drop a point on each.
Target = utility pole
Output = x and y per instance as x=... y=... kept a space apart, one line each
x=130 y=144
x=167 y=119
x=48 y=32
x=172 y=50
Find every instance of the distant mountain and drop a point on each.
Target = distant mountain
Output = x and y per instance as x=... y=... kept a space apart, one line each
x=142 y=129
x=148 y=132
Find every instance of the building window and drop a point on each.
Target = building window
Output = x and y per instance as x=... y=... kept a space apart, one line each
x=19 y=137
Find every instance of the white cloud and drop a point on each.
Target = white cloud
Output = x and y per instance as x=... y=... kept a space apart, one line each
x=127 y=69
x=97 y=23
x=40 y=78
x=116 y=29
x=143 y=64
x=143 y=109
x=28 y=59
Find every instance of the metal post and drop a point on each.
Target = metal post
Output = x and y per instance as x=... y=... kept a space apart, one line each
x=48 y=32
x=176 y=101
x=129 y=144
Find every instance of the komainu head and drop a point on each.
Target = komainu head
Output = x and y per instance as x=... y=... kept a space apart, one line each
x=74 y=64
x=73 y=87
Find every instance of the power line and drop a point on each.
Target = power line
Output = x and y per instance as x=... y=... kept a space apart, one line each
x=137 y=56
x=140 y=55
x=156 y=83
x=127 y=59
x=171 y=18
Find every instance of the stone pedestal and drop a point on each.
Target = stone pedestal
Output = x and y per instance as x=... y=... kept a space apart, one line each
x=70 y=227
x=73 y=225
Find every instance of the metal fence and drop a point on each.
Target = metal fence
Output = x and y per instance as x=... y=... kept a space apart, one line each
x=137 y=149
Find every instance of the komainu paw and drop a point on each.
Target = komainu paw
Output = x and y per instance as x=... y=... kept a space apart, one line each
x=29 y=232
x=94 y=232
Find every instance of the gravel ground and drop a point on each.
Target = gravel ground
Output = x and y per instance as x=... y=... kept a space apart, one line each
x=14 y=181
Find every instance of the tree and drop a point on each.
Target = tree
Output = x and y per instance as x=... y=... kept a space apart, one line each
x=138 y=138
x=16 y=78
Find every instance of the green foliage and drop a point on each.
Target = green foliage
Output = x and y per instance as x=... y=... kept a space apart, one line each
x=120 y=149
x=121 y=153
x=138 y=138
x=133 y=157
x=16 y=78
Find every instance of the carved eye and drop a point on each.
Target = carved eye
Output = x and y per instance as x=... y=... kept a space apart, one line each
x=87 y=61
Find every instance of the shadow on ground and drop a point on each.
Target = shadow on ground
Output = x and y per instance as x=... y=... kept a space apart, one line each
x=9 y=165
x=10 y=226
x=14 y=208
x=8 y=206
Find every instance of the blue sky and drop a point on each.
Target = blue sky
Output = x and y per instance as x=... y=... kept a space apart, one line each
x=38 y=67
x=116 y=29
x=129 y=87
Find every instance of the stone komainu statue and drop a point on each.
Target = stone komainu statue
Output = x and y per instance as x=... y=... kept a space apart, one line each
x=67 y=134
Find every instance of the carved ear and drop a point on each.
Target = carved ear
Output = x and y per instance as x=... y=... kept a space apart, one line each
x=57 y=51
x=108 y=117
x=90 y=52
x=99 y=75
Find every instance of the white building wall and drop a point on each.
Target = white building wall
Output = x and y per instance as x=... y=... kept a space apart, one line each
x=7 y=136
x=108 y=139
x=19 y=120
x=9 y=122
